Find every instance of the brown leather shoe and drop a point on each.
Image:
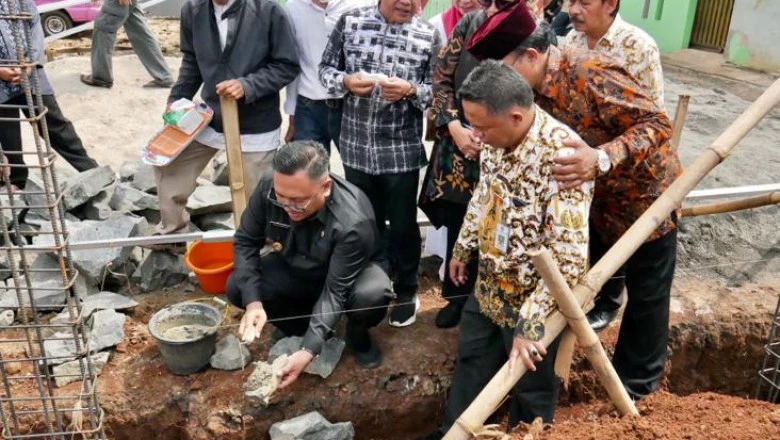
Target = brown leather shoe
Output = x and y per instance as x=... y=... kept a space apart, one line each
x=88 y=80
x=160 y=84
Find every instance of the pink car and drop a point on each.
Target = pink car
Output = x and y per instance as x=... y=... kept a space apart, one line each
x=61 y=20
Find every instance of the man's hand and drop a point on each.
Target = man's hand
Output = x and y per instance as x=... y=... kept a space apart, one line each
x=358 y=86
x=252 y=322
x=573 y=171
x=294 y=367
x=288 y=137
x=528 y=351
x=464 y=139
x=8 y=74
x=458 y=273
x=395 y=89
x=232 y=88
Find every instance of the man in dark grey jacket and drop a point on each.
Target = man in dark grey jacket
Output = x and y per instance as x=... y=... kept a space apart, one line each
x=239 y=48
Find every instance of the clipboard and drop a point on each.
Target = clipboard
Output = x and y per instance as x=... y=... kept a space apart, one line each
x=170 y=141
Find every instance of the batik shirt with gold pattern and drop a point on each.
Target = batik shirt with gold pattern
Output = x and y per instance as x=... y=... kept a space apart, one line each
x=594 y=95
x=517 y=208
x=634 y=49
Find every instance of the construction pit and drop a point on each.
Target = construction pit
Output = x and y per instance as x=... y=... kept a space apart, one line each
x=723 y=302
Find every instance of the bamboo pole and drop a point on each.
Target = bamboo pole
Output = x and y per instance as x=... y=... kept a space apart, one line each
x=500 y=385
x=578 y=323
x=679 y=120
x=563 y=358
x=733 y=205
x=235 y=160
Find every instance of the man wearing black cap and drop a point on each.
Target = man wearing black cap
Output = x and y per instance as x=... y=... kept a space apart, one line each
x=626 y=148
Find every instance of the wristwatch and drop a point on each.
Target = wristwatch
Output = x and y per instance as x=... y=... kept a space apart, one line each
x=412 y=93
x=603 y=164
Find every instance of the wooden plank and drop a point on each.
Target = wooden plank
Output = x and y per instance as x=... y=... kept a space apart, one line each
x=229 y=109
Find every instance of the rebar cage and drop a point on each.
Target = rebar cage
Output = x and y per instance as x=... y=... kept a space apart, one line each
x=32 y=345
x=769 y=375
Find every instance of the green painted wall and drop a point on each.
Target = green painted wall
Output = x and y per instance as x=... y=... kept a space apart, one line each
x=668 y=21
x=754 y=35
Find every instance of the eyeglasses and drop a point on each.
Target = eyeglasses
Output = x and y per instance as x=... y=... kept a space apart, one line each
x=297 y=208
x=500 y=4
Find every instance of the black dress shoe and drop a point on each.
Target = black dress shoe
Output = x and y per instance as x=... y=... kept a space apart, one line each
x=449 y=316
x=600 y=319
x=365 y=349
x=433 y=436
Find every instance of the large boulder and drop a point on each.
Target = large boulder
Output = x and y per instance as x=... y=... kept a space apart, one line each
x=84 y=186
x=311 y=426
x=71 y=371
x=143 y=179
x=231 y=354
x=127 y=198
x=93 y=264
x=209 y=200
x=107 y=330
x=159 y=270
x=99 y=207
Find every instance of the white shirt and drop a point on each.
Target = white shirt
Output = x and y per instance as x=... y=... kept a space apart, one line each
x=311 y=27
x=250 y=143
x=634 y=48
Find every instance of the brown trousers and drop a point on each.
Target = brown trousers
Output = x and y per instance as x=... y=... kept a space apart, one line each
x=177 y=181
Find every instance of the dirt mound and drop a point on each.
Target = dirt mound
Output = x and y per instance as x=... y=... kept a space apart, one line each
x=665 y=416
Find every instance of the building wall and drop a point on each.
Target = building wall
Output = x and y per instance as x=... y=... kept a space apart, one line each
x=668 y=21
x=754 y=35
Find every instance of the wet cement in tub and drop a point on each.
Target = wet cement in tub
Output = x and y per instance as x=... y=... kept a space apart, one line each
x=183 y=330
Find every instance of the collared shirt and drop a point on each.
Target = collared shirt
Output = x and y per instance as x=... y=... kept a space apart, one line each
x=312 y=26
x=377 y=136
x=594 y=95
x=634 y=49
x=518 y=207
x=250 y=143
x=333 y=246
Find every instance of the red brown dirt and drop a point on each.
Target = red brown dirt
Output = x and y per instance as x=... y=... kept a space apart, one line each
x=664 y=416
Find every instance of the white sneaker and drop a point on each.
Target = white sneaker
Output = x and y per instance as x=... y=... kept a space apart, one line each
x=404 y=315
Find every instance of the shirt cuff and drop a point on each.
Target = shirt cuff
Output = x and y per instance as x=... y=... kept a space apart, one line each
x=530 y=329
x=462 y=253
x=616 y=152
x=312 y=343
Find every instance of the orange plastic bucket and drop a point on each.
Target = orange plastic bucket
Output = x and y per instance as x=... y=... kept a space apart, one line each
x=212 y=264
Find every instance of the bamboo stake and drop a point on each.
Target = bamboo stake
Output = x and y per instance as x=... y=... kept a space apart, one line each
x=500 y=385
x=578 y=323
x=679 y=120
x=235 y=160
x=563 y=358
x=733 y=205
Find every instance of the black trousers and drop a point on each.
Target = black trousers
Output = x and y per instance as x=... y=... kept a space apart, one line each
x=452 y=215
x=394 y=199
x=286 y=294
x=483 y=347
x=62 y=135
x=640 y=353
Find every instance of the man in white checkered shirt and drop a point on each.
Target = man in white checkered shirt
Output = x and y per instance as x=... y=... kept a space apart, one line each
x=379 y=59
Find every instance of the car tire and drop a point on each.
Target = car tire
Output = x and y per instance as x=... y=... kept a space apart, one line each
x=55 y=22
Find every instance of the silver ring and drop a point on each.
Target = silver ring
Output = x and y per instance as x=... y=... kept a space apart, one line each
x=534 y=353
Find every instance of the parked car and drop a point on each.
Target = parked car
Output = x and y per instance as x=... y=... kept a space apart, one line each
x=61 y=20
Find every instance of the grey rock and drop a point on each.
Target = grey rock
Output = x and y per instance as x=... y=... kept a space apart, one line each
x=46 y=294
x=5 y=266
x=84 y=186
x=99 y=207
x=143 y=179
x=60 y=348
x=126 y=198
x=7 y=215
x=106 y=301
x=35 y=185
x=231 y=354
x=311 y=426
x=323 y=365
x=92 y=263
x=71 y=371
x=108 y=329
x=127 y=170
x=209 y=200
x=46 y=270
x=6 y=318
x=151 y=215
x=210 y=222
x=221 y=171
x=159 y=270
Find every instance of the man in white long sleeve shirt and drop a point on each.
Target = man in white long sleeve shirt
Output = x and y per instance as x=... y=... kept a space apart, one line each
x=313 y=116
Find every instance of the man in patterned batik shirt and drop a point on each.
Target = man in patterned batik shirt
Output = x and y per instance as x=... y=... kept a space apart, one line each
x=626 y=148
x=379 y=59
x=599 y=27
x=517 y=208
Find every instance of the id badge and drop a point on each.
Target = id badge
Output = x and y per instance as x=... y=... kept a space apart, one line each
x=502 y=238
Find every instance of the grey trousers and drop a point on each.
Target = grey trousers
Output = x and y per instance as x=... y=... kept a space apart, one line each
x=177 y=181
x=113 y=16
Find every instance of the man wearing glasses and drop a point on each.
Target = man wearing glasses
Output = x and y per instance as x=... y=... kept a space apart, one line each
x=305 y=253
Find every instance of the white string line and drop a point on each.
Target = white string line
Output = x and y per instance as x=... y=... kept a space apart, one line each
x=363 y=309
